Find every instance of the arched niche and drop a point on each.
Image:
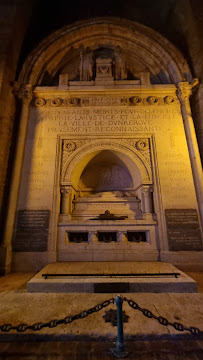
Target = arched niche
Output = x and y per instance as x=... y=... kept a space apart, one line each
x=111 y=152
x=143 y=48
x=107 y=172
x=108 y=175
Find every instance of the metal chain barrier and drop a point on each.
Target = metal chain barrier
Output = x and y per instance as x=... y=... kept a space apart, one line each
x=69 y=319
x=163 y=321
x=53 y=323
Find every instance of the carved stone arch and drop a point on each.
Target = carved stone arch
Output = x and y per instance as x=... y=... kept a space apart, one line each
x=156 y=53
x=75 y=164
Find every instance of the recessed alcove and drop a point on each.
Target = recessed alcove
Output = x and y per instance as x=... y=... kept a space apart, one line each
x=106 y=172
x=108 y=181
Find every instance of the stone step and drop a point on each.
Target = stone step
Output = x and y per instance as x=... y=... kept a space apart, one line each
x=108 y=277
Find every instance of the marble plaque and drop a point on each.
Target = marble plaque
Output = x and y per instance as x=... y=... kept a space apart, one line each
x=183 y=230
x=31 y=230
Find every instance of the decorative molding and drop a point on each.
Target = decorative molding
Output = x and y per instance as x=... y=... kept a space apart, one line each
x=142 y=145
x=128 y=146
x=105 y=101
x=69 y=147
x=184 y=89
x=156 y=53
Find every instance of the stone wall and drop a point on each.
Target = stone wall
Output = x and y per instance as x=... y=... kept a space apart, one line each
x=14 y=18
x=188 y=17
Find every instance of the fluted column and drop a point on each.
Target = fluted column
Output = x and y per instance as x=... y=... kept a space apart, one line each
x=184 y=92
x=25 y=95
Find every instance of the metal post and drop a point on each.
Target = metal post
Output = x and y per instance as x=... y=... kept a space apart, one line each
x=119 y=351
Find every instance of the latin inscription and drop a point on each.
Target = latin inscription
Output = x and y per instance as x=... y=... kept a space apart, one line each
x=31 y=232
x=183 y=230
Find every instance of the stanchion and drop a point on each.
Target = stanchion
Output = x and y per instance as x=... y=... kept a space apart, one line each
x=119 y=351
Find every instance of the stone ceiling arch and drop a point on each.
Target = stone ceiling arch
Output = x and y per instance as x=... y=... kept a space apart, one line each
x=133 y=159
x=152 y=49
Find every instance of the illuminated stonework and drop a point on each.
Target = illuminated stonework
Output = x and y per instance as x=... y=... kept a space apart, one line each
x=104 y=154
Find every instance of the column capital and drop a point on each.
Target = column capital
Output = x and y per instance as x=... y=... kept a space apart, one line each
x=23 y=92
x=146 y=189
x=66 y=190
x=184 y=89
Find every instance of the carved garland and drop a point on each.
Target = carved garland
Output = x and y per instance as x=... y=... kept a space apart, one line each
x=119 y=101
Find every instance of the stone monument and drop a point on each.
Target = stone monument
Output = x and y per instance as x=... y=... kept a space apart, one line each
x=100 y=141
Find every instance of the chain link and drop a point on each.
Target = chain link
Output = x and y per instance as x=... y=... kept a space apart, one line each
x=83 y=314
x=163 y=321
x=53 y=323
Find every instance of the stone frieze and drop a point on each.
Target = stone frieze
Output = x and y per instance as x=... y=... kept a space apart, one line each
x=105 y=101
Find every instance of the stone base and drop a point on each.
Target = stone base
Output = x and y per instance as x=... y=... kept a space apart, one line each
x=185 y=260
x=105 y=284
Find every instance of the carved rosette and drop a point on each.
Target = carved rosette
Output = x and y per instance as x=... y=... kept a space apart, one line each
x=104 y=101
x=136 y=100
x=142 y=145
x=153 y=100
x=69 y=146
x=169 y=100
x=40 y=102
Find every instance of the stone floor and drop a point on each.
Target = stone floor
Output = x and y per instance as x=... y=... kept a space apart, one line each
x=145 y=338
x=94 y=350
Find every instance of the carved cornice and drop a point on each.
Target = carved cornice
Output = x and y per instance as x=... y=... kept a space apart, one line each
x=105 y=101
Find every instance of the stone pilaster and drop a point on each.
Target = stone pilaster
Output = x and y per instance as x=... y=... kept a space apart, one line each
x=184 y=92
x=24 y=94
